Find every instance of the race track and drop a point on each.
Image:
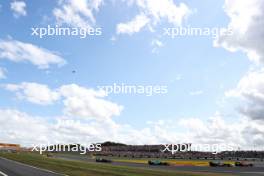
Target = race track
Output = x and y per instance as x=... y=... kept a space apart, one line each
x=12 y=168
x=238 y=171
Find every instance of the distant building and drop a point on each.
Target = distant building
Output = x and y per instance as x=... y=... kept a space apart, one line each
x=139 y=151
x=9 y=147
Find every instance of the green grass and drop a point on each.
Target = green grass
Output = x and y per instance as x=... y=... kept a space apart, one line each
x=78 y=168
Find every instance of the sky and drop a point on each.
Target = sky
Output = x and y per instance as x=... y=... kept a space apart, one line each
x=53 y=87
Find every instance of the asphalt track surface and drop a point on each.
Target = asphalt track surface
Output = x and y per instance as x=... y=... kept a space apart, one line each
x=238 y=171
x=12 y=168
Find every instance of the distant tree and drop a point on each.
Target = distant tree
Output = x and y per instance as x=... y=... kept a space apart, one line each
x=108 y=143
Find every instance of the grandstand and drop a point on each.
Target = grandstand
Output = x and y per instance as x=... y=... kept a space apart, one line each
x=155 y=151
x=9 y=147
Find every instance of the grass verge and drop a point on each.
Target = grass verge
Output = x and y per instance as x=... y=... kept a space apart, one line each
x=78 y=168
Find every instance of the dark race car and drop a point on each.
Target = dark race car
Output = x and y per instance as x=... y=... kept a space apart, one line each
x=214 y=164
x=102 y=160
x=157 y=163
x=219 y=164
x=243 y=164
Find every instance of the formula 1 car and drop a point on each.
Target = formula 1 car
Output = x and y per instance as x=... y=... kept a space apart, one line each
x=102 y=160
x=219 y=164
x=157 y=163
x=243 y=164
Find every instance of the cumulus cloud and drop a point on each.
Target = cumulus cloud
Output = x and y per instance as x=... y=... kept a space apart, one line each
x=39 y=130
x=17 y=51
x=77 y=13
x=251 y=89
x=78 y=101
x=83 y=102
x=69 y=130
x=95 y=125
x=213 y=131
x=134 y=25
x=151 y=13
x=243 y=133
x=216 y=130
x=86 y=117
x=18 y=8
x=34 y=93
x=66 y=130
x=246 y=21
x=19 y=127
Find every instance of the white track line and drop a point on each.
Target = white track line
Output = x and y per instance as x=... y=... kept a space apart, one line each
x=31 y=167
x=3 y=174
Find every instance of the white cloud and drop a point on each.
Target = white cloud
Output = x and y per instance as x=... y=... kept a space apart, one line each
x=18 y=127
x=242 y=133
x=151 y=13
x=247 y=21
x=156 y=44
x=26 y=52
x=77 y=13
x=18 y=8
x=213 y=131
x=34 y=93
x=251 y=89
x=134 y=25
x=2 y=73
x=78 y=101
x=83 y=102
x=86 y=117
x=65 y=130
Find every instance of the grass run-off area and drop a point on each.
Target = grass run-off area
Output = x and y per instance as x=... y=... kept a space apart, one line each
x=172 y=162
x=79 y=168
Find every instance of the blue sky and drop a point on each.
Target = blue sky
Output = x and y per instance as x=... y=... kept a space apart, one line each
x=197 y=73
